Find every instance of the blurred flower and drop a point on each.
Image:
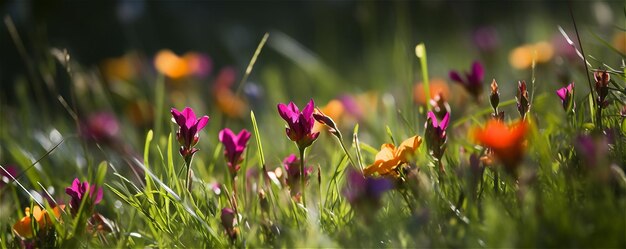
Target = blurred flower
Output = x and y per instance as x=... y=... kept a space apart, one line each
x=226 y=100
x=523 y=101
x=129 y=11
x=473 y=80
x=506 y=141
x=562 y=48
x=333 y=111
x=189 y=127
x=436 y=134
x=292 y=167
x=486 y=39
x=229 y=221
x=619 y=41
x=522 y=56
x=436 y=86
x=389 y=157
x=234 y=145
x=365 y=191
x=300 y=124
x=78 y=191
x=140 y=112
x=7 y=177
x=24 y=229
x=101 y=127
x=176 y=67
x=602 y=78
x=566 y=94
x=122 y=68
x=441 y=108
x=592 y=149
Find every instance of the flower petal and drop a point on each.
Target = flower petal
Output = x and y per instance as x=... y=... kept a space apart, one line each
x=202 y=122
x=478 y=72
x=190 y=117
x=454 y=75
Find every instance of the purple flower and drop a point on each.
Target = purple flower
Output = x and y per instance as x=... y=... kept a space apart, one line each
x=101 y=127
x=436 y=134
x=189 y=127
x=566 y=95
x=229 y=220
x=79 y=190
x=7 y=176
x=486 y=39
x=439 y=127
x=300 y=124
x=363 y=190
x=473 y=80
x=234 y=145
x=292 y=167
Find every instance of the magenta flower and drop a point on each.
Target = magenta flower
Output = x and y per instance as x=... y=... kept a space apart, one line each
x=189 y=127
x=292 y=167
x=101 y=127
x=436 y=134
x=79 y=190
x=365 y=191
x=566 y=95
x=473 y=81
x=300 y=124
x=7 y=176
x=229 y=221
x=234 y=145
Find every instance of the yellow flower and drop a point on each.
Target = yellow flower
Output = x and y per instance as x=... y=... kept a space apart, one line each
x=389 y=157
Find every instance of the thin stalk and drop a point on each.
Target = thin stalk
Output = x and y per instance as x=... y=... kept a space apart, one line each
x=188 y=160
x=302 y=182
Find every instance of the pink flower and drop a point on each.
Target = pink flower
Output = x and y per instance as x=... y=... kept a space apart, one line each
x=101 y=127
x=436 y=134
x=79 y=190
x=566 y=95
x=300 y=124
x=473 y=80
x=234 y=145
x=292 y=167
x=189 y=127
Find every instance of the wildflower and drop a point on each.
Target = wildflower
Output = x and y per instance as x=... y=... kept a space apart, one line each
x=486 y=39
x=101 y=127
x=440 y=106
x=602 y=78
x=229 y=221
x=566 y=94
x=189 y=127
x=24 y=229
x=436 y=135
x=7 y=176
x=78 y=191
x=293 y=170
x=523 y=102
x=436 y=86
x=389 y=157
x=506 y=142
x=176 y=67
x=522 y=56
x=299 y=124
x=473 y=80
x=365 y=191
x=234 y=145
x=122 y=68
x=326 y=120
x=494 y=97
x=619 y=41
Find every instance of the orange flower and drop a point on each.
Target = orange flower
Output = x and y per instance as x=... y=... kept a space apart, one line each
x=522 y=56
x=122 y=68
x=334 y=109
x=229 y=103
x=171 y=65
x=436 y=86
x=389 y=157
x=23 y=227
x=506 y=142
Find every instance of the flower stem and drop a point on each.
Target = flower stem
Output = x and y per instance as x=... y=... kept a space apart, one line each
x=302 y=176
x=188 y=160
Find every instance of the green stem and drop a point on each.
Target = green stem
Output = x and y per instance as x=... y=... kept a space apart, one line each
x=188 y=160
x=302 y=182
x=343 y=146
